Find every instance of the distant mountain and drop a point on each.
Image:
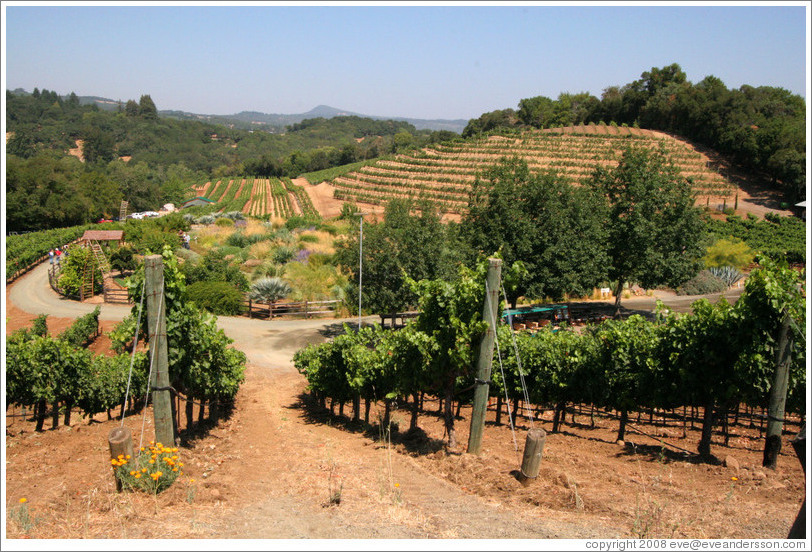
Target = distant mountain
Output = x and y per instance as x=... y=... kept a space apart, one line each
x=273 y=122
x=276 y=122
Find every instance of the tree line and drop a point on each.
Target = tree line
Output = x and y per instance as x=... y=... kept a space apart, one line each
x=761 y=127
x=636 y=223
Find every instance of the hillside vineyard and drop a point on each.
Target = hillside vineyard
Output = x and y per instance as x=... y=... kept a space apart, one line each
x=444 y=173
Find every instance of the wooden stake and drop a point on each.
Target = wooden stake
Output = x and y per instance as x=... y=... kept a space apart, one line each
x=156 y=319
x=778 y=397
x=120 y=441
x=531 y=461
x=485 y=361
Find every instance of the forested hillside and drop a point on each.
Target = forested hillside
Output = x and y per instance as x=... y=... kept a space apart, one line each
x=761 y=127
x=70 y=163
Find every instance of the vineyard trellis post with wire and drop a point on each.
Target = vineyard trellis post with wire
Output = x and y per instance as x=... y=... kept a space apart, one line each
x=485 y=361
x=159 y=379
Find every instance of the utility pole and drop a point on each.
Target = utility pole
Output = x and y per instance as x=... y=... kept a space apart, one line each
x=156 y=321
x=485 y=361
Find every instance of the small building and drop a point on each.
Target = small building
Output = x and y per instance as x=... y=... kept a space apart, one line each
x=103 y=236
x=196 y=201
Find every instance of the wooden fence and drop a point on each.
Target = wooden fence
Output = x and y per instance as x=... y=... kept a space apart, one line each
x=272 y=310
x=112 y=295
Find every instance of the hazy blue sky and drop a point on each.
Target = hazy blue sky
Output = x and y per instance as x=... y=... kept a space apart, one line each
x=429 y=62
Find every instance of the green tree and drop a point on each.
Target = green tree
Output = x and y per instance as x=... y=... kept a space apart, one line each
x=554 y=229
x=131 y=108
x=405 y=245
x=99 y=146
x=655 y=231
x=146 y=107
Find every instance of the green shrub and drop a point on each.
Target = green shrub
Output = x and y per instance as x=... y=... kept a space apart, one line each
x=239 y=253
x=215 y=268
x=223 y=221
x=283 y=254
x=302 y=221
x=237 y=239
x=219 y=298
x=188 y=255
x=309 y=238
x=329 y=228
x=701 y=284
x=268 y=269
x=123 y=259
x=728 y=252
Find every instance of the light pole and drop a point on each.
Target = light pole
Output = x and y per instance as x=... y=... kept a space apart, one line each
x=360 y=266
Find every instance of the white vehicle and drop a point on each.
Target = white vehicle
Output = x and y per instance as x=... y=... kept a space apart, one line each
x=137 y=216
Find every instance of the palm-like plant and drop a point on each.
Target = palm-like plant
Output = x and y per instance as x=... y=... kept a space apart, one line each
x=269 y=290
x=727 y=274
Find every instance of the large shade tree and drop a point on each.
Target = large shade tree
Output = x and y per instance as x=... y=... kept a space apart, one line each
x=555 y=229
x=411 y=242
x=655 y=231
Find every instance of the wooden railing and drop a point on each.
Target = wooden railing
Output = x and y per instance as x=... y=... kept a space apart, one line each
x=289 y=308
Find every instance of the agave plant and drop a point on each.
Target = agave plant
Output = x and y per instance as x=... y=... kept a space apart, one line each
x=269 y=290
x=727 y=274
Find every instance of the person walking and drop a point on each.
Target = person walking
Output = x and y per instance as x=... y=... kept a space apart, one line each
x=58 y=254
x=51 y=256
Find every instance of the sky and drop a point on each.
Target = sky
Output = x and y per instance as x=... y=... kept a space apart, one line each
x=429 y=61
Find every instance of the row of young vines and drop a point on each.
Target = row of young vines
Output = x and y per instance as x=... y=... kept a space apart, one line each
x=716 y=358
x=62 y=373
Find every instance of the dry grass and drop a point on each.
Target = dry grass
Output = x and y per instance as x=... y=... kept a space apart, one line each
x=210 y=236
x=326 y=243
x=261 y=250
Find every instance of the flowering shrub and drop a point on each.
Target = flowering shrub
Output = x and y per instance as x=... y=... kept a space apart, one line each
x=152 y=471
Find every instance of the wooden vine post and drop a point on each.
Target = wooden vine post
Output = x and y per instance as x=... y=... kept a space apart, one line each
x=490 y=315
x=120 y=441
x=531 y=460
x=778 y=396
x=156 y=319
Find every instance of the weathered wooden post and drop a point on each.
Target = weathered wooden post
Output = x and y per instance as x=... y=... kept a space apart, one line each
x=778 y=397
x=156 y=319
x=531 y=460
x=120 y=442
x=489 y=314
